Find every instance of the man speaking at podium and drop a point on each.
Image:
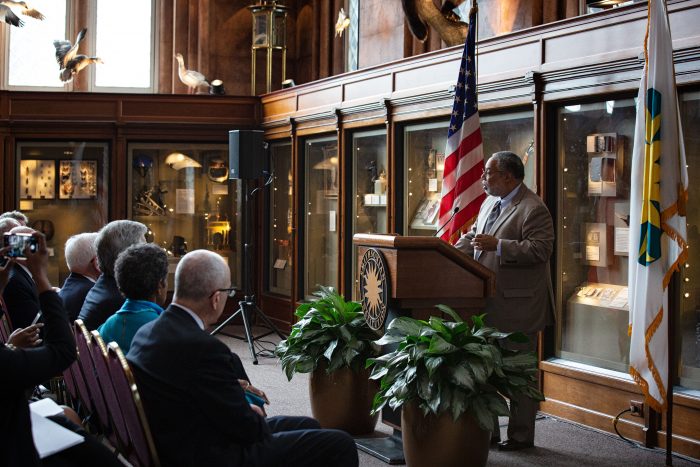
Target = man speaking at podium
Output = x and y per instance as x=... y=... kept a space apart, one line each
x=514 y=237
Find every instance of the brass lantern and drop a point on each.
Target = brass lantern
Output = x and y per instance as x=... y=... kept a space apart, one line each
x=269 y=34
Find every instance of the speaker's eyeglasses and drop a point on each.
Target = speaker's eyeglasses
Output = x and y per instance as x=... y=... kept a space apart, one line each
x=230 y=292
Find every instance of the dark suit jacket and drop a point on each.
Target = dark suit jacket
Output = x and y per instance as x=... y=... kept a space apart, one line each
x=23 y=369
x=101 y=302
x=523 y=299
x=21 y=298
x=73 y=293
x=196 y=409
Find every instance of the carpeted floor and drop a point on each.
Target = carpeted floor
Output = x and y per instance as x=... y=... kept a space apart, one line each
x=557 y=442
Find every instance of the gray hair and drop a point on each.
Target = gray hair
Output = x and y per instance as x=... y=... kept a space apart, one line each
x=80 y=249
x=19 y=216
x=199 y=273
x=114 y=238
x=510 y=162
x=7 y=224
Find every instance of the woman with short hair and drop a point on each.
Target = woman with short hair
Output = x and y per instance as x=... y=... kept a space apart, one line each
x=141 y=272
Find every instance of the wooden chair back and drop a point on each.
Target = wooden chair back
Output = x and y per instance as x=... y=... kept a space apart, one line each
x=144 y=452
x=87 y=366
x=98 y=349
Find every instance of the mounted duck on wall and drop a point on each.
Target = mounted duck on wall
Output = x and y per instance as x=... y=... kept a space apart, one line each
x=69 y=61
x=10 y=17
x=190 y=78
x=422 y=14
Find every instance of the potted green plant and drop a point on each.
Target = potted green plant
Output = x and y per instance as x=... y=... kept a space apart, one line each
x=331 y=340
x=451 y=379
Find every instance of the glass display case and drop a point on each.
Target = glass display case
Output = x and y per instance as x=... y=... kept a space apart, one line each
x=425 y=162
x=689 y=322
x=321 y=176
x=63 y=189
x=182 y=193
x=280 y=220
x=369 y=190
x=594 y=147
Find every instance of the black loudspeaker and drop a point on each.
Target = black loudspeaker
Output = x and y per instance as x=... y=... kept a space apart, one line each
x=247 y=157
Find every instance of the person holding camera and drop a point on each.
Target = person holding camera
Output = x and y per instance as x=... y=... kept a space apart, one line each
x=24 y=364
x=20 y=295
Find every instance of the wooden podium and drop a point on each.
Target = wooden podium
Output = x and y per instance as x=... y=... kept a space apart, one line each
x=403 y=276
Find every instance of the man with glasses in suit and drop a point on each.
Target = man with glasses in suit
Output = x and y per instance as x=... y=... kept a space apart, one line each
x=514 y=237
x=194 y=395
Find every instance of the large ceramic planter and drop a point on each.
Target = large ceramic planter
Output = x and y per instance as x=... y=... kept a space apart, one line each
x=438 y=440
x=343 y=400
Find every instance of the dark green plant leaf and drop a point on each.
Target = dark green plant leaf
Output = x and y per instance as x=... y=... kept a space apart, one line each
x=449 y=311
x=438 y=345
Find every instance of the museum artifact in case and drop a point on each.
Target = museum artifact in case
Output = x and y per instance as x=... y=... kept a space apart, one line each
x=62 y=188
x=593 y=231
x=182 y=193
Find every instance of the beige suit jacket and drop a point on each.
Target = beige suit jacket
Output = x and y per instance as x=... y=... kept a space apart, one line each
x=523 y=300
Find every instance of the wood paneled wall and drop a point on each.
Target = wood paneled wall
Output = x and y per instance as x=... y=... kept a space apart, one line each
x=214 y=37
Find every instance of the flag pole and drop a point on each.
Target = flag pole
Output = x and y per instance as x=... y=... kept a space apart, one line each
x=672 y=307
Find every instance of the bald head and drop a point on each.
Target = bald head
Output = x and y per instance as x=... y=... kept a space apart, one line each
x=199 y=273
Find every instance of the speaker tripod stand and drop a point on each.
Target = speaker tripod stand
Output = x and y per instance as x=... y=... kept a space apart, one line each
x=247 y=307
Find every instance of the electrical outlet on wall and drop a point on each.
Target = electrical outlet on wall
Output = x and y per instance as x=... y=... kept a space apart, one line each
x=637 y=408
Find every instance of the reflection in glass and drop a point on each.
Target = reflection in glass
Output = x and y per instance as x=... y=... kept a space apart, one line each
x=689 y=322
x=63 y=190
x=280 y=260
x=183 y=195
x=321 y=213
x=594 y=144
x=369 y=189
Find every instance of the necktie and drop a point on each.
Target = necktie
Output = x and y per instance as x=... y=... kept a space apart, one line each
x=493 y=215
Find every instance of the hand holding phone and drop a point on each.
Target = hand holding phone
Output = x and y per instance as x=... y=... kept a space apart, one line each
x=18 y=242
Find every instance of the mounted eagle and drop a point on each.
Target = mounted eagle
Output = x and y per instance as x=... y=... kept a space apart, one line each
x=423 y=13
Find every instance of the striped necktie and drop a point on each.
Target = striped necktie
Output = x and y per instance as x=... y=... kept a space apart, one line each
x=493 y=215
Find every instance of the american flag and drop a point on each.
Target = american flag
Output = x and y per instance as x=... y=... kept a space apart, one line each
x=464 y=163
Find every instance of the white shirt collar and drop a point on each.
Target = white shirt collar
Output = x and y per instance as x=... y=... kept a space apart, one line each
x=194 y=316
x=505 y=201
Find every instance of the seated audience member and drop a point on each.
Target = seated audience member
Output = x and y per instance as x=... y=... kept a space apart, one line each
x=21 y=298
x=194 y=401
x=81 y=258
x=141 y=272
x=6 y=224
x=19 y=216
x=104 y=299
x=24 y=364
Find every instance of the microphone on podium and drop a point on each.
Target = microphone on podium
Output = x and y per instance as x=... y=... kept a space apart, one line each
x=454 y=211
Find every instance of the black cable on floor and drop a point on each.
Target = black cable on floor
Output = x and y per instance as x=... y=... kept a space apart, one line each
x=617 y=419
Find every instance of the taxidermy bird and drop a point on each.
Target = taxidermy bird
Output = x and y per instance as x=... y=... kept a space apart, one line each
x=8 y=16
x=25 y=9
x=69 y=61
x=190 y=78
x=342 y=23
x=423 y=13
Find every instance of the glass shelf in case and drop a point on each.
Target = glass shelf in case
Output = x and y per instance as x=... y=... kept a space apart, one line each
x=369 y=189
x=182 y=193
x=594 y=143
